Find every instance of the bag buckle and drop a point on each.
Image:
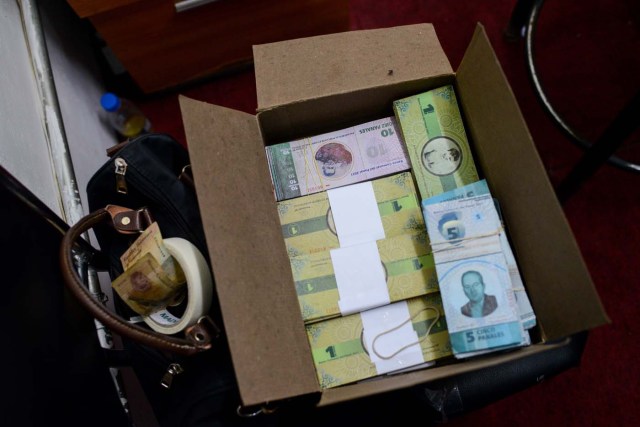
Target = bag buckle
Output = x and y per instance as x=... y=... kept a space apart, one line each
x=129 y=221
x=202 y=332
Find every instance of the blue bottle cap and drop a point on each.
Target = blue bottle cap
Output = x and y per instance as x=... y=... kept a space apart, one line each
x=110 y=102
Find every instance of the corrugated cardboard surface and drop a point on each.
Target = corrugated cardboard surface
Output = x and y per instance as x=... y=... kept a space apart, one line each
x=253 y=278
x=557 y=279
x=300 y=69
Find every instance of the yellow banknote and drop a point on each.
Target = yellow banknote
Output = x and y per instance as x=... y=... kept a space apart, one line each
x=342 y=349
x=407 y=265
x=145 y=286
x=307 y=222
x=436 y=141
x=150 y=241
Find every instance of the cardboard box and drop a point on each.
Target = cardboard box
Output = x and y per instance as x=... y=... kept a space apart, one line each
x=310 y=86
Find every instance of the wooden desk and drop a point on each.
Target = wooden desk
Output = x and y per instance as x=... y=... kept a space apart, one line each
x=161 y=47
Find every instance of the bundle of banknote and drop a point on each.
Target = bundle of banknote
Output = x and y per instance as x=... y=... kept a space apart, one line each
x=437 y=145
x=388 y=339
x=404 y=265
x=334 y=159
x=308 y=224
x=481 y=188
x=475 y=268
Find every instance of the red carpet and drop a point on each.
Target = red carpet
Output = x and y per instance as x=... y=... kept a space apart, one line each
x=588 y=54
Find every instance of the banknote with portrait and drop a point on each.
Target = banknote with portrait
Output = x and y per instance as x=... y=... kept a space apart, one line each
x=438 y=149
x=481 y=188
x=473 y=274
x=318 y=163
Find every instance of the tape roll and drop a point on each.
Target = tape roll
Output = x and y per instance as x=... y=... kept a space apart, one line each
x=199 y=288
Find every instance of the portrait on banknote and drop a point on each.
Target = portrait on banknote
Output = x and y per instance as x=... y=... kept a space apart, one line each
x=480 y=303
x=441 y=156
x=475 y=292
x=334 y=160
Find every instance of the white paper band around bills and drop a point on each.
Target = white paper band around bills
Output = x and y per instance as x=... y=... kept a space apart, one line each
x=199 y=288
x=360 y=278
x=355 y=214
x=384 y=319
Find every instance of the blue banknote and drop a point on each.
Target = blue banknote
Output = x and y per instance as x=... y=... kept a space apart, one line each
x=479 y=303
x=474 y=190
x=476 y=272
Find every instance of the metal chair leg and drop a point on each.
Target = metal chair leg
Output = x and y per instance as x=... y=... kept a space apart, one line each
x=518 y=20
x=616 y=133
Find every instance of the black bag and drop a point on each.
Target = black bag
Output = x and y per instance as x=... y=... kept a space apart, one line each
x=185 y=379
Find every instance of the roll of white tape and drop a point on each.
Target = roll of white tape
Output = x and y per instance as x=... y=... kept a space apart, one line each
x=199 y=288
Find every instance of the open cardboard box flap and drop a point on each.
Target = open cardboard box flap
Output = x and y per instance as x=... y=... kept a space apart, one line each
x=302 y=69
x=254 y=283
x=557 y=279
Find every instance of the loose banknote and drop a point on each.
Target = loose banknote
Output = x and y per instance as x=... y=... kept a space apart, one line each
x=145 y=287
x=334 y=159
x=150 y=241
x=308 y=225
x=474 y=279
x=387 y=339
x=436 y=141
x=480 y=188
x=405 y=265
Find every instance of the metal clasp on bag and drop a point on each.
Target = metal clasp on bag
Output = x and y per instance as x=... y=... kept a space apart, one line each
x=186 y=177
x=203 y=332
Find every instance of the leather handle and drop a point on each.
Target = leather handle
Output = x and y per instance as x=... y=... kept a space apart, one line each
x=198 y=337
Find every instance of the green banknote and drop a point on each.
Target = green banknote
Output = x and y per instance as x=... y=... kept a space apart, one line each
x=307 y=222
x=408 y=269
x=344 y=349
x=437 y=145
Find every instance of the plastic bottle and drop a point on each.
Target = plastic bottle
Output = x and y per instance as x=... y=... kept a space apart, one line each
x=124 y=116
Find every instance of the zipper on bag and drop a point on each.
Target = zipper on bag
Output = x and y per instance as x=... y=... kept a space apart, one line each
x=173 y=370
x=121 y=170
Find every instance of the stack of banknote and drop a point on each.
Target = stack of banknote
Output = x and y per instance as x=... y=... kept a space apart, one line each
x=334 y=159
x=388 y=339
x=405 y=266
x=436 y=141
x=308 y=224
x=483 y=295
